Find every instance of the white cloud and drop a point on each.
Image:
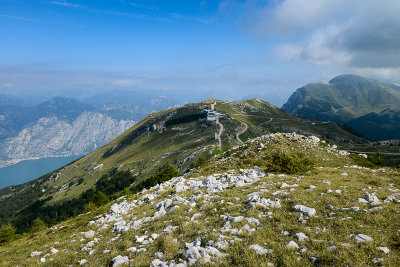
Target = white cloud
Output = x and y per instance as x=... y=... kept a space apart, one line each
x=353 y=33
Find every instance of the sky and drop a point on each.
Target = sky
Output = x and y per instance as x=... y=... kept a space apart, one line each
x=230 y=48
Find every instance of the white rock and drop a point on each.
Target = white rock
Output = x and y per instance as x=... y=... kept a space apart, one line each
x=292 y=245
x=361 y=238
x=181 y=188
x=284 y=185
x=384 y=249
x=159 y=255
x=89 y=234
x=195 y=216
x=254 y=197
x=392 y=198
x=161 y=212
x=253 y=221
x=36 y=253
x=132 y=249
x=271 y=203
x=154 y=236
x=82 y=261
x=260 y=250
x=375 y=209
x=301 y=236
x=140 y=239
x=304 y=210
x=54 y=251
x=377 y=260
x=346 y=245
x=169 y=229
x=371 y=198
x=361 y=200
x=192 y=253
x=159 y=263
x=332 y=248
x=119 y=261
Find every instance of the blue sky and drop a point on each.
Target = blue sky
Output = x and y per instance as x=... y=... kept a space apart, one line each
x=229 y=48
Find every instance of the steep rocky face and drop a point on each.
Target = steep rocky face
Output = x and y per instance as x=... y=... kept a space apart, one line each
x=52 y=136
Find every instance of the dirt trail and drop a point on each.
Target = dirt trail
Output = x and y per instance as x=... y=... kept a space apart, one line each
x=241 y=130
x=220 y=131
x=221 y=127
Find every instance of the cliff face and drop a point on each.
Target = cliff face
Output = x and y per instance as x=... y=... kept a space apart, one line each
x=52 y=136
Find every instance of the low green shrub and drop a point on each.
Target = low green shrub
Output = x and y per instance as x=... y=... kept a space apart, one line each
x=289 y=162
x=7 y=234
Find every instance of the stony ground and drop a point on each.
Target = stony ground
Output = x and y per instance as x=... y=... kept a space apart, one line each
x=336 y=214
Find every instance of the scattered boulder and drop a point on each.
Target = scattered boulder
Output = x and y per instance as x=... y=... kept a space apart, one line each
x=372 y=199
x=260 y=250
x=292 y=245
x=392 y=198
x=377 y=260
x=119 y=261
x=301 y=236
x=304 y=210
x=89 y=234
x=384 y=249
x=361 y=238
x=332 y=248
x=36 y=253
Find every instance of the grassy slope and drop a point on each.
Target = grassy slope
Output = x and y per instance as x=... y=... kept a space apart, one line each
x=180 y=143
x=323 y=230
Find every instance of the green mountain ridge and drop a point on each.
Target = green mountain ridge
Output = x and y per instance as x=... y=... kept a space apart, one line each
x=178 y=135
x=356 y=101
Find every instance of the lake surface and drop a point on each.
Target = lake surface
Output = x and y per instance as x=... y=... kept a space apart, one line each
x=28 y=170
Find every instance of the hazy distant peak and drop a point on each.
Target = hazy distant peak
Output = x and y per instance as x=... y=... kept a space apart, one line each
x=348 y=77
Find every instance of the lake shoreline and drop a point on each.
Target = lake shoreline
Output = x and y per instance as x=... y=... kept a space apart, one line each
x=27 y=170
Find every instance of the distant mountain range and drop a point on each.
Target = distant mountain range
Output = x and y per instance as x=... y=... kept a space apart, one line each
x=58 y=127
x=369 y=106
x=64 y=126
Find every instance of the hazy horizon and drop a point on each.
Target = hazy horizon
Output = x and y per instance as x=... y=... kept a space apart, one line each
x=237 y=49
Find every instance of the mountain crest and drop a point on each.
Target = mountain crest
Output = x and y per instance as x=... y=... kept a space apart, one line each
x=347 y=98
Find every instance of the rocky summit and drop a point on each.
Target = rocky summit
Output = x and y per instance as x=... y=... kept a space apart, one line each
x=280 y=199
